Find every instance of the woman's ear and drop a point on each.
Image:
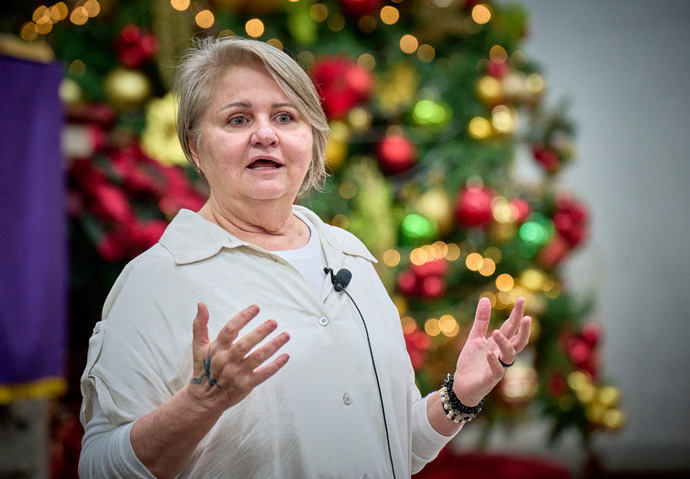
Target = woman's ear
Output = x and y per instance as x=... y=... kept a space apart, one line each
x=195 y=156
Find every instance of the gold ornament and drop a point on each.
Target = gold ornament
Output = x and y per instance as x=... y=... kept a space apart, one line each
x=159 y=138
x=489 y=90
x=336 y=149
x=398 y=88
x=514 y=87
x=436 y=205
x=613 y=419
x=519 y=386
x=126 y=88
x=501 y=233
x=70 y=92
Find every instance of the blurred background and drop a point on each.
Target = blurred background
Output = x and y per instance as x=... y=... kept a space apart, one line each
x=502 y=149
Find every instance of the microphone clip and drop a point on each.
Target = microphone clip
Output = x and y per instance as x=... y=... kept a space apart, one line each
x=340 y=280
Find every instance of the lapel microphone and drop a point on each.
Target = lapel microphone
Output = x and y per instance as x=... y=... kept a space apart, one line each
x=340 y=280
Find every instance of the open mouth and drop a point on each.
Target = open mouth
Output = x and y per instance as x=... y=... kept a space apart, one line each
x=264 y=164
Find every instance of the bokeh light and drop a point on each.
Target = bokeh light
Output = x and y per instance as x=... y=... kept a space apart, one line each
x=481 y=14
x=389 y=15
x=254 y=28
x=180 y=5
x=205 y=19
x=409 y=43
x=391 y=258
x=318 y=12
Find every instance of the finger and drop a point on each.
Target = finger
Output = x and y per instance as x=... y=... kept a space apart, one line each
x=200 y=327
x=263 y=373
x=229 y=332
x=245 y=344
x=258 y=357
x=510 y=326
x=481 y=320
x=506 y=351
x=497 y=369
x=522 y=338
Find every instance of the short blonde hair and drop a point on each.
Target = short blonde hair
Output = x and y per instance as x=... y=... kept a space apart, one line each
x=208 y=59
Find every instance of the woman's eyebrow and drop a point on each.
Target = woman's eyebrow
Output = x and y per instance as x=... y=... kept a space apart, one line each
x=237 y=103
x=245 y=104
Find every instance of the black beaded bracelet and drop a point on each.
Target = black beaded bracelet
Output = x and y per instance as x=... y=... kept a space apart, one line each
x=455 y=409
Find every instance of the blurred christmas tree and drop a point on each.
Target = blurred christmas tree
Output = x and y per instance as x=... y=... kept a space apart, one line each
x=429 y=102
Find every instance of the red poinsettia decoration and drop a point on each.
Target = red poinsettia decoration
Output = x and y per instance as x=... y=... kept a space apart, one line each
x=135 y=47
x=342 y=83
x=571 y=223
x=426 y=280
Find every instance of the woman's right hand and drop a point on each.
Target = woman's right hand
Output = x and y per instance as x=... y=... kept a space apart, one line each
x=228 y=368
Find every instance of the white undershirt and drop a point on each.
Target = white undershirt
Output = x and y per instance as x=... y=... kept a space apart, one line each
x=309 y=260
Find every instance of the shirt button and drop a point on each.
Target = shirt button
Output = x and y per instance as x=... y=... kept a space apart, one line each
x=323 y=320
x=347 y=399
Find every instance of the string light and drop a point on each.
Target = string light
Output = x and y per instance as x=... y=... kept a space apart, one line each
x=79 y=16
x=92 y=7
x=28 y=32
x=418 y=256
x=274 y=42
x=479 y=128
x=409 y=43
x=318 y=12
x=205 y=19
x=453 y=252
x=180 y=5
x=347 y=189
x=391 y=258
x=367 y=24
x=426 y=53
x=504 y=282
x=336 y=22
x=389 y=15
x=366 y=61
x=341 y=221
x=432 y=327
x=481 y=14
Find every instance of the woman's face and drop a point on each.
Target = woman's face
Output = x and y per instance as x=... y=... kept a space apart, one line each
x=254 y=144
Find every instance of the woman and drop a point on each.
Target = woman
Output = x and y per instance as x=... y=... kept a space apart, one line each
x=165 y=396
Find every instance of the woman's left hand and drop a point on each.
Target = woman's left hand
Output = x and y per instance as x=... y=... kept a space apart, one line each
x=479 y=369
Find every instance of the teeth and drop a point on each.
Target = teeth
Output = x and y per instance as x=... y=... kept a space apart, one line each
x=264 y=167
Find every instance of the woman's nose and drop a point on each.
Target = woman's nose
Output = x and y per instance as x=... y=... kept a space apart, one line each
x=264 y=134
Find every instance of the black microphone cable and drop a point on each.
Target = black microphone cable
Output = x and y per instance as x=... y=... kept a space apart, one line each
x=340 y=282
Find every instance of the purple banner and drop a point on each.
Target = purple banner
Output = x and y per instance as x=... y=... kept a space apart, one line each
x=33 y=225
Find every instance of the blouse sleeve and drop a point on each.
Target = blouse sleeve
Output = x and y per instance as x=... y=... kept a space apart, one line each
x=107 y=450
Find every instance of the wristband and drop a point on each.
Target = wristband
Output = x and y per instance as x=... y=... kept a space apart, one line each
x=452 y=406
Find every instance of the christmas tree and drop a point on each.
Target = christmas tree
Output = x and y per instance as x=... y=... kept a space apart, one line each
x=429 y=102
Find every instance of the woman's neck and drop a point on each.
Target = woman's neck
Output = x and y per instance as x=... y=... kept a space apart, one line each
x=262 y=224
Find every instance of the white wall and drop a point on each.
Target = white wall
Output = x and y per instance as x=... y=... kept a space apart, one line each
x=626 y=64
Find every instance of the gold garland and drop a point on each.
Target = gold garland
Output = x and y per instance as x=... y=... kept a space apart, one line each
x=49 y=388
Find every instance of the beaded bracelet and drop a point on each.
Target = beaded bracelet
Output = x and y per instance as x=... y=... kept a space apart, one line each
x=454 y=409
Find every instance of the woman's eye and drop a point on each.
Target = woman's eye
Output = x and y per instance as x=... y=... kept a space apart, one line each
x=284 y=118
x=238 y=121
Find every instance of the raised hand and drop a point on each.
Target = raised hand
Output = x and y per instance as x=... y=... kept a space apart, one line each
x=483 y=358
x=228 y=368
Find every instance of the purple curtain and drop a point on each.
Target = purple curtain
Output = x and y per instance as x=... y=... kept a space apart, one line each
x=33 y=224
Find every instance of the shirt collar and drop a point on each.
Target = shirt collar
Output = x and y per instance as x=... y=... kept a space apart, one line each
x=190 y=238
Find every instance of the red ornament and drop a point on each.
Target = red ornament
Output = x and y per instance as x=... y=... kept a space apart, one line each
x=546 y=157
x=432 y=287
x=570 y=220
x=342 y=83
x=437 y=267
x=135 y=47
x=473 y=207
x=396 y=154
x=360 y=8
x=554 y=252
x=407 y=283
x=417 y=343
x=519 y=209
